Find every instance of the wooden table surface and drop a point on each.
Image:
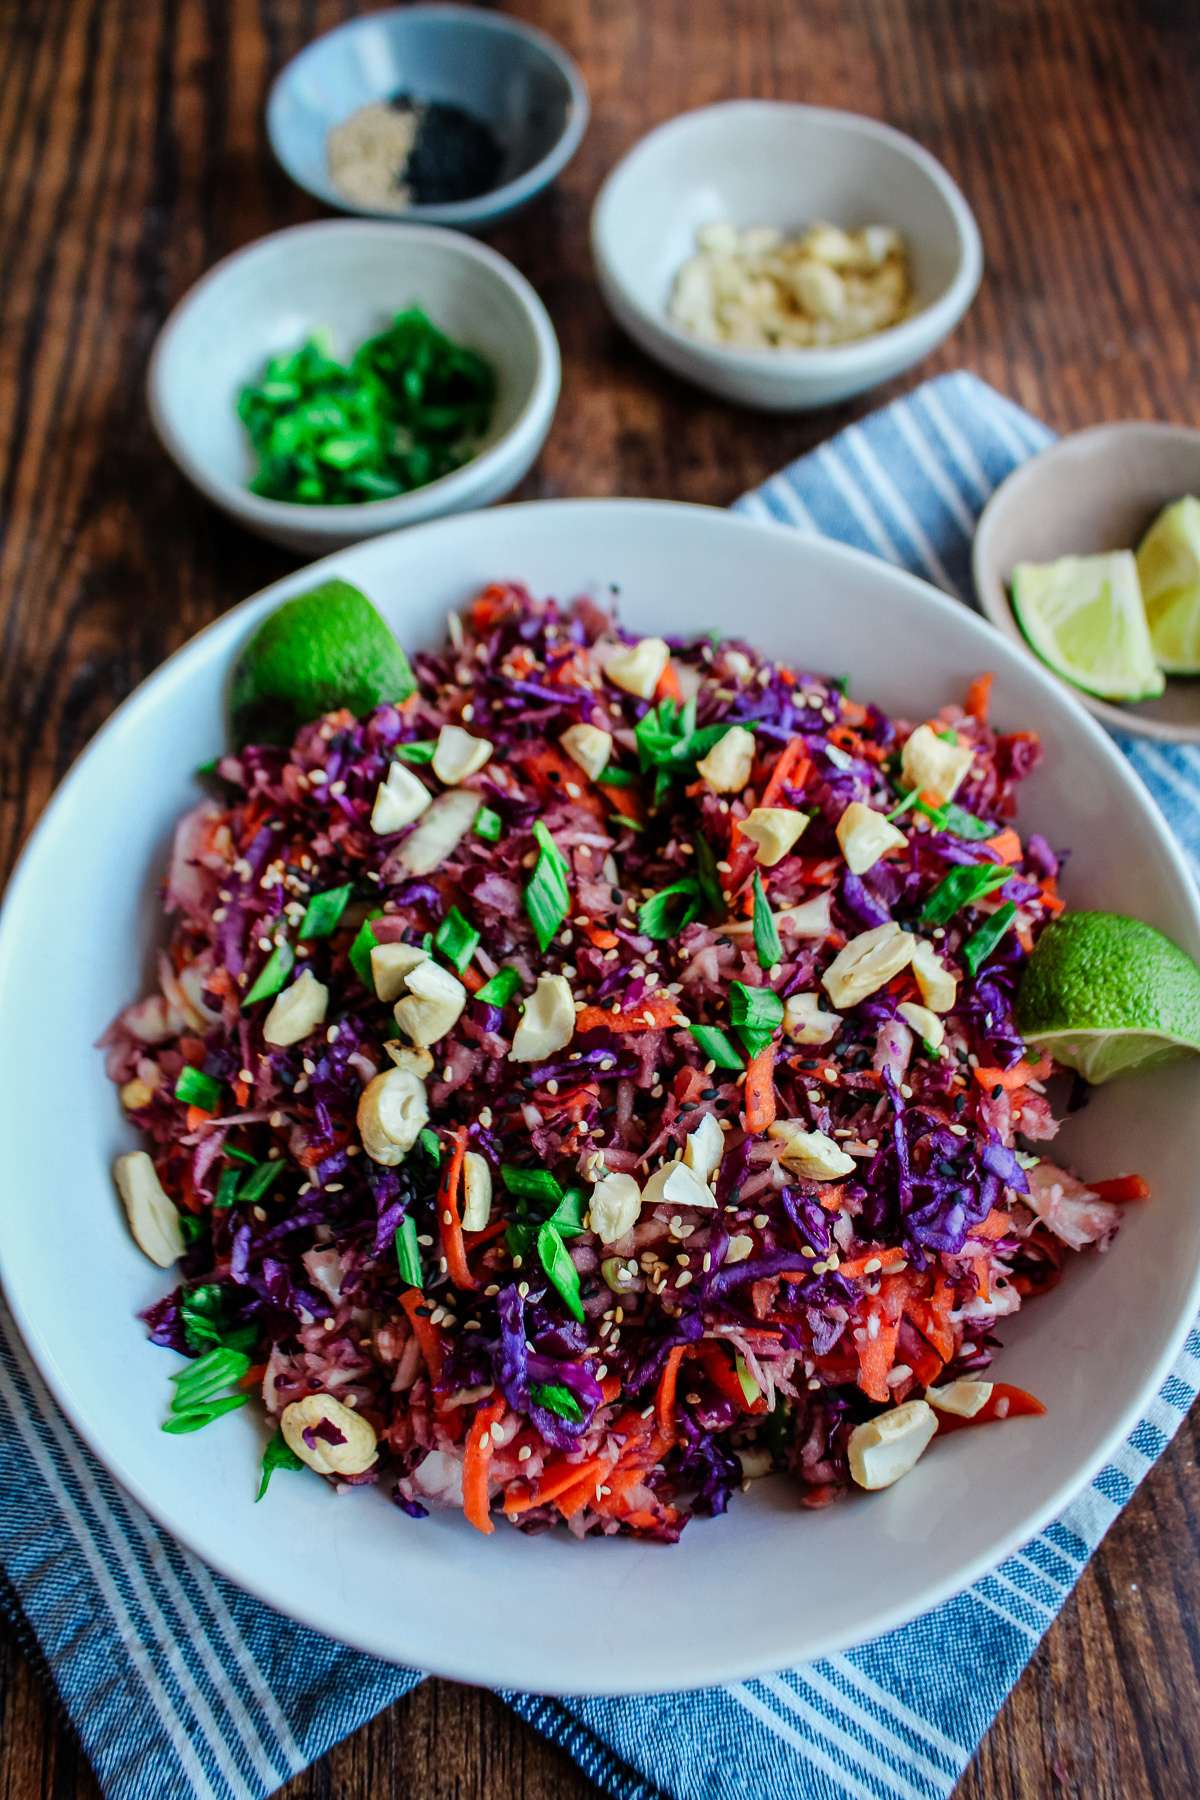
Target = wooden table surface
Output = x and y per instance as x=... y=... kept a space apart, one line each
x=134 y=156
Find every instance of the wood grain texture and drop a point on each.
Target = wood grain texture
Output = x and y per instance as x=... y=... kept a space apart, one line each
x=132 y=143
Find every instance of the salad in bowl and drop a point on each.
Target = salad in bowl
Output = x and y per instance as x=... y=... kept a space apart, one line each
x=586 y=1072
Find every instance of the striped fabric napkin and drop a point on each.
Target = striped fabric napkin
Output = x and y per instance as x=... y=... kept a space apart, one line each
x=179 y=1684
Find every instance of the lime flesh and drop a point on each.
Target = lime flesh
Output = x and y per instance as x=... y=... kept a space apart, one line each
x=1084 y=616
x=1105 y=995
x=1168 y=565
x=325 y=649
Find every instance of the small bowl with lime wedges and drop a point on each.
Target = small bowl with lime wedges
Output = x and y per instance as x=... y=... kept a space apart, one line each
x=1089 y=556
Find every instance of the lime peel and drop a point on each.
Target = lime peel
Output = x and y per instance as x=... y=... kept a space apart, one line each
x=1104 y=994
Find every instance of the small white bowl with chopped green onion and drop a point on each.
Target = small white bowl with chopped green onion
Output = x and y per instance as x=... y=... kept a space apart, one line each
x=259 y=397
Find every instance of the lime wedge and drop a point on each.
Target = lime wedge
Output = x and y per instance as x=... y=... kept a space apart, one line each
x=1168 y=566
x=1104 y=994
x=321 y=650
x=1084 y=616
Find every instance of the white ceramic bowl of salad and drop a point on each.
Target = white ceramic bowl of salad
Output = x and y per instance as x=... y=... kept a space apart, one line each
x=348 y=278
x=763 y=162
x=769 y=1584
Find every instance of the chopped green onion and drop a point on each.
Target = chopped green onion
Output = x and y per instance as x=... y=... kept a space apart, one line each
x=258 y=1181
x=717 y=1046
x=623 y=821
x=567 y=1217
x=430 y=1143
x=210 y=767
x=408 y=406
x=457 y=939
x=563 y=1274
x=226 y=1192
x=611 y=776
x=193 y=1229
x=200 y=1313
x=666 y=913
x=408 y=1252
x=664 y=780
x=948 y=735
x=421 y=752
x=207 y=1375
x=979 y=946
x=531 y=1184
x=756 y=1014
x=195 y=1088
x=194 y=1418
x=488 y=825
x=360 y=952
x=964 y=824
x=324 y=911
x=556 y=1398
x=547 y=896
x=767 y=946
x=962 y=887
x=277 y=1455
x=272 y=975
x=500 y=989
x=909 y=800
x=750 y=1388
x=427 y=943
x=520 y=1240
x=240 y=1155
x=708 y=875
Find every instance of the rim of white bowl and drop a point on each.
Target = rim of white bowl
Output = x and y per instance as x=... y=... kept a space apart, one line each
x=534 y=417
x=911 y=333
x=482 y=207
x=470 y=1666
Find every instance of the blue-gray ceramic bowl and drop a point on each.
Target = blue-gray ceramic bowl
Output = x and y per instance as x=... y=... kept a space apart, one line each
x=512 y=77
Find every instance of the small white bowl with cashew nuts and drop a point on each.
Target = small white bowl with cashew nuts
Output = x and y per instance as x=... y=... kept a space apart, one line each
x=781 y=256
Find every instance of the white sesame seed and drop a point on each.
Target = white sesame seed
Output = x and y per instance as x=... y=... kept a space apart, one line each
x=682 y=1280
x=761 y=1221
x=524 y=1453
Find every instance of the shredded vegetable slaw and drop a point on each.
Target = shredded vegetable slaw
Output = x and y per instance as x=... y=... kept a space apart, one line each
x=592 y=1084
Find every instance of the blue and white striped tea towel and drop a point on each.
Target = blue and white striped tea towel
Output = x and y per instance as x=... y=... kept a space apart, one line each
x=180 y=1685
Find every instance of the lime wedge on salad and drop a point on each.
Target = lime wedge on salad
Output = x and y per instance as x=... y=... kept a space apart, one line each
x=1084 y=616
x=1106 y=995
x=1168 y=566
x=320 y=650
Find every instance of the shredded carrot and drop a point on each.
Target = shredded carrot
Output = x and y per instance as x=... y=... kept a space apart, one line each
x=979 y=1268
x=1050 y=899
x=760 y=1091
x=1121 y=1188
x=600 y=937
x=555 y=1481
x=664 y=1400
x=996 y=1225
x=932 y=1316
x=477 y=1459
x=449 y=1221
x=853 y=711
x=855 y=744
x=471 y=979
x=886 y=1261
x=626 y=801
x=241 y=1092
x=792 y=769
x=655 y=1013
x=979 y=696
x=551 y=770
x=877 y=1354
x=1019 y=1076
x=197 y=1116
x=427 y=1335
x=668 y=685
x=1004 y=1402
x=610 y=1387
x=1006 y=844
x=253 y=1376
